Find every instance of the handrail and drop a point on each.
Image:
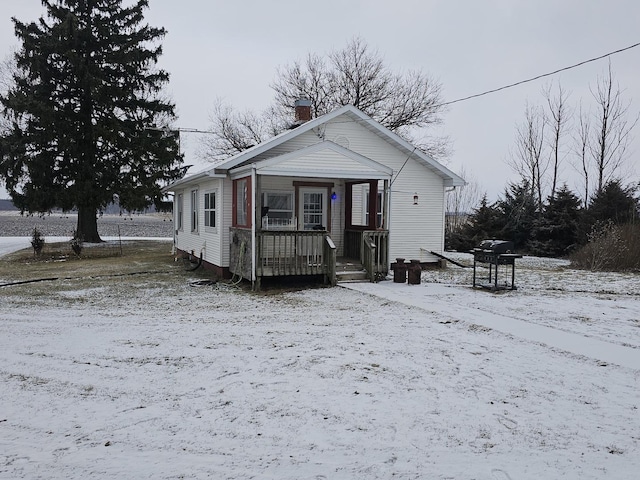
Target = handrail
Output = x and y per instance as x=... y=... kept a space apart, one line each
x=369 y=256
x=374 y=253
x=330 y=256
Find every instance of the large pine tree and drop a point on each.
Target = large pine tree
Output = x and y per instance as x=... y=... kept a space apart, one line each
x=519 y=212
x=615 y=203
x=88 y=123
x=556 y=232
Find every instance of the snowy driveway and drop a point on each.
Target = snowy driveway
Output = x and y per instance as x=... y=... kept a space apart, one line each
x=450 y=302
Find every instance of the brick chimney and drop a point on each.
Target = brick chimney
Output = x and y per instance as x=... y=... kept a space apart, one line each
x=302 y=111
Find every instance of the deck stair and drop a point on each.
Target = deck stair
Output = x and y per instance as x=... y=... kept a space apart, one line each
x=349 y=270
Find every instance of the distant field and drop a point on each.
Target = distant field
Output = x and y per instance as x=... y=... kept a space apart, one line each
x=12 y=224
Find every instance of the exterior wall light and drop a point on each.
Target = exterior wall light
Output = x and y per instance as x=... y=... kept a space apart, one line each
x=333 y=195
x=415 y=199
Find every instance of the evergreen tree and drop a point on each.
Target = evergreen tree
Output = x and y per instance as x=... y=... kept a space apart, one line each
x=613 y=203
x=485 y=223
x=519 y=210
x=88 y=123
x=556 y=232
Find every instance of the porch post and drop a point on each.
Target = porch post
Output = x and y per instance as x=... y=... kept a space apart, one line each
x=373 y=205
x=385 y=205
x=254 y=189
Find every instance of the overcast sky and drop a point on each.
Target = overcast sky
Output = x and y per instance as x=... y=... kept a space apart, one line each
x=231 y=50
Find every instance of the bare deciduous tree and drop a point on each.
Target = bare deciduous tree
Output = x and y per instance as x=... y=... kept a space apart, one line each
x=8 y=68
x=581 y=150
x=460 y=202
x=355 y=75
x=528 y=160
x=611 y=133
x=309 y=79
x=234 y=132
x=558 y=118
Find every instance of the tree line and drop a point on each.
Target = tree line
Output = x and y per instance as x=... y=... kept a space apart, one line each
x=561 y=228
x=591 y=138
x=539 y=212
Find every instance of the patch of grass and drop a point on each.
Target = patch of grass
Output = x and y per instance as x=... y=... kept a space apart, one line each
x=109 y=258
x=102 y=275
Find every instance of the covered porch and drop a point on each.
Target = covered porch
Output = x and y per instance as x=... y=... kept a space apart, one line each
x=297 y=218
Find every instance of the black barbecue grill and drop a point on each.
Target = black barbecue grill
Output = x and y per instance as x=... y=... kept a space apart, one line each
x=494 y=254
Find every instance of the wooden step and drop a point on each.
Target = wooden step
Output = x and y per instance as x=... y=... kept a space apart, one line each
x=352 y=276
x=350 y=270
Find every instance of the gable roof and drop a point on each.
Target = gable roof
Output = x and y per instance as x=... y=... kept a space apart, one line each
x=245 y=157
x=324 y=159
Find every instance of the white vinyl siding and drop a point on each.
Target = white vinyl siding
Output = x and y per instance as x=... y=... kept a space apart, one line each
x=212 y=242
x=415 y=229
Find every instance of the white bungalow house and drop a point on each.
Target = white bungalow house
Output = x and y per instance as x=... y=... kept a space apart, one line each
x=340 y=186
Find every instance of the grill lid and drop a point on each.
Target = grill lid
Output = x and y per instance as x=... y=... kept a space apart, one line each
x=496 y=246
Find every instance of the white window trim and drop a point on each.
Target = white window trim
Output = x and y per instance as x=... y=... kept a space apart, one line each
x=194 y=216
x=180 y=211
x=206 y=210
x=241 y=203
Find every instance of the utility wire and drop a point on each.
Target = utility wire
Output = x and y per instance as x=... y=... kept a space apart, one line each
x=539 y=76
x=458 y=100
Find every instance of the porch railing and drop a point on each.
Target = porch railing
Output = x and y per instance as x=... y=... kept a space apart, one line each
x=284 y=253
x=375 y=253
x=372 y=248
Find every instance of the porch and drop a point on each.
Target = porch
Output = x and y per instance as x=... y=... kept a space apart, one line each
x=305 y=253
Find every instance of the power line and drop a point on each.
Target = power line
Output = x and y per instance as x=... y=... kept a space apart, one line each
x=539 y=76
x=458 y=100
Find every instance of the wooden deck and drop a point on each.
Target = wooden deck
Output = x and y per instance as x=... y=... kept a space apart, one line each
x=296 y=253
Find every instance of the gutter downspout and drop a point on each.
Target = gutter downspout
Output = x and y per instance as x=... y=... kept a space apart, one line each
x=389 y=194
x=254 y=186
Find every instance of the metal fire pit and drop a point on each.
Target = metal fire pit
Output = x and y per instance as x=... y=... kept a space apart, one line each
x=495 y=253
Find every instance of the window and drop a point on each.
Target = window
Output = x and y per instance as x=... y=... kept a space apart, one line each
x=210 y=210
x=242 y=202
x=313 y=211
x=278 y=210
x=180 y=211
x=194 y=210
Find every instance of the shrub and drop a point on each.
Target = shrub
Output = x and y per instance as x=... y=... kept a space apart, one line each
x=37 y=241
x=76 y=243
x=610 y=247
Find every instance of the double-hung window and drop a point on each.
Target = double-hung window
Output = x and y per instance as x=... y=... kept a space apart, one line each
x=210 y=210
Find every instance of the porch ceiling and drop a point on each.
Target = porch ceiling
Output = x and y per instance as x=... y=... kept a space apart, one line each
x=325 y=160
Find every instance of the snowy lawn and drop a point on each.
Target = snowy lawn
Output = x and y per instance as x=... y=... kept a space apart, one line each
x=146 y=376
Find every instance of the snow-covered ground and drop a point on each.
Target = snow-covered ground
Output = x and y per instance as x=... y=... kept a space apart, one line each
x=155 y=378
